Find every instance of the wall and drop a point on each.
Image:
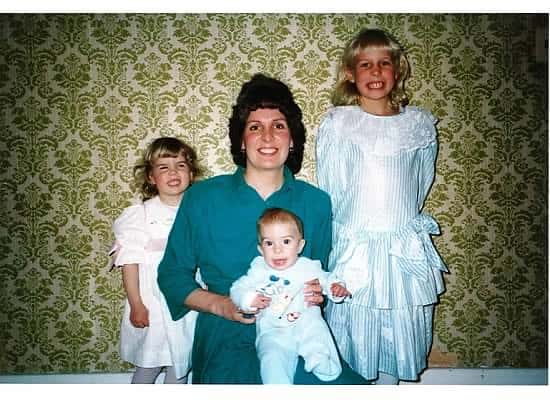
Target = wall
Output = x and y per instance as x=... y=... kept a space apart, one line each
x=81 y=95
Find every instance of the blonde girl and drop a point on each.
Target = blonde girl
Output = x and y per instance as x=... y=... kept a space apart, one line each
x=376 y=158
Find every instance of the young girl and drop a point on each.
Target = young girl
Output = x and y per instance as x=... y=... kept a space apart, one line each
x=149 y=338
x=376 y=158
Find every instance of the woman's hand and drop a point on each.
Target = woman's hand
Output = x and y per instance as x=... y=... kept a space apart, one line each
x=313 y=293
x=222 y=306
x=227 y=309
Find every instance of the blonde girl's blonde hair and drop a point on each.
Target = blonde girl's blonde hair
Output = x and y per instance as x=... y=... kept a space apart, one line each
x=345 y=92
x=159 y=148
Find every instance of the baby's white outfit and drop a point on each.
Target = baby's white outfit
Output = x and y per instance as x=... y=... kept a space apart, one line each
x=288 y=328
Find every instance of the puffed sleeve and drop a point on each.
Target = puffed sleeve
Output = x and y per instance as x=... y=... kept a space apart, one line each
x=176 y=271
x=131 y=237
x=428 y=155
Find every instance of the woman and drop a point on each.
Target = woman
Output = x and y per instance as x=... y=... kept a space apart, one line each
x=215 y=232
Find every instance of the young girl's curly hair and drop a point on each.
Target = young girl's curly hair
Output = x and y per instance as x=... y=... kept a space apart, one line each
x=162 y=147
x=345 y=92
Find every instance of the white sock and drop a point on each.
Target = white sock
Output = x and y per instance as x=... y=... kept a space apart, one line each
x=146 y=375
x=170 y=376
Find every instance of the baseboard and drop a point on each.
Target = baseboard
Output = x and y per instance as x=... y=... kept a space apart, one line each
x=483 y=376
x=432 y=376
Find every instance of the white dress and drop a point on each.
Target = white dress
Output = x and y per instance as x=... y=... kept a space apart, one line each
x=141 y=232
x=378 y=171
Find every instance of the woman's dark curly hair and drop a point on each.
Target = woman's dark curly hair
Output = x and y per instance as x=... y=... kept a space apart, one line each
x=265 y=92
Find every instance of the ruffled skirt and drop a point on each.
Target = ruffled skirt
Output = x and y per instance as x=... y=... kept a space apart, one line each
x=395 y=279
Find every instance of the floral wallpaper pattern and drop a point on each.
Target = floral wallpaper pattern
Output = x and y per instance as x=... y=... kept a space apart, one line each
x=82 y=94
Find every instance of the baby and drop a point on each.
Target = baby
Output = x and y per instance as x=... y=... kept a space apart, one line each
x=274 y=288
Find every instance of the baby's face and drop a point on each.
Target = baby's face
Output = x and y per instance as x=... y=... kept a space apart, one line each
x=281 y=244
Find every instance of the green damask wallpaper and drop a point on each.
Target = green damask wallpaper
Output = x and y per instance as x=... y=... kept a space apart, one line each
x=81 y=95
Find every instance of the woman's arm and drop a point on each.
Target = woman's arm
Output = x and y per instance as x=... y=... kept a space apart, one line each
x=222 y=306
x=176 y=271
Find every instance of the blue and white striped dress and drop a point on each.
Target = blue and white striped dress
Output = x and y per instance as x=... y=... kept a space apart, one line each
x=378 y=171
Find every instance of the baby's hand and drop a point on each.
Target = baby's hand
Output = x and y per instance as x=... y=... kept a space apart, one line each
x=260 y=301
x=338 y=290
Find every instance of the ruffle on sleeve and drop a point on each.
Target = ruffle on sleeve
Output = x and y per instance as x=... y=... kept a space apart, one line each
x=131 y=237
x=414 y=250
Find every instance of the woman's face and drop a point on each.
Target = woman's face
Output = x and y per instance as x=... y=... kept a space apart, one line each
x=266 y=140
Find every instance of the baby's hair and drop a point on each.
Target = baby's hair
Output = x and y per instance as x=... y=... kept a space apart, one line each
x=278 y=216
x=158 y=148
x=345 y=92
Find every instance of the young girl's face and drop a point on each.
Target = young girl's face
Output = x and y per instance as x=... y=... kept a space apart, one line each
x=281 y=244
x=171 y=176
x=374 y=76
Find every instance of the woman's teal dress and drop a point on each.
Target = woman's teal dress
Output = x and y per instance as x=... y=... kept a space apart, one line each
x=215 y=230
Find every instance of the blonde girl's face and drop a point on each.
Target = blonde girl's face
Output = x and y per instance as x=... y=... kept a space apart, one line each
x=171 y=176
x=374 y=76
x=281 y=244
